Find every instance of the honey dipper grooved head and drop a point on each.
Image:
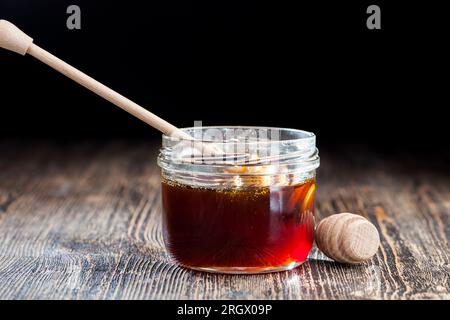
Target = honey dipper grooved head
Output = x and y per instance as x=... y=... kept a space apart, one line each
x=13 y=39
x=347 y=238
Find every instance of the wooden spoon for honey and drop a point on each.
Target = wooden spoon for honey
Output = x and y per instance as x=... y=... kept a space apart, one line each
x=13 y=39
x=347 y=238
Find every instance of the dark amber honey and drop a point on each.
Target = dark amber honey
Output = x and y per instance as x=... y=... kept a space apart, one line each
x=248 y=229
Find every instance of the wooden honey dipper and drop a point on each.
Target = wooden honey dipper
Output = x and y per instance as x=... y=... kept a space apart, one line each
x=13 y=39
x=347 y=238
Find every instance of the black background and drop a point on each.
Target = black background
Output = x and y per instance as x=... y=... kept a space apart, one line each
x=352 y=309
x=313 y=66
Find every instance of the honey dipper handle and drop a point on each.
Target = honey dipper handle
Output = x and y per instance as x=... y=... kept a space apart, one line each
x=103 y=91
x=13 y=39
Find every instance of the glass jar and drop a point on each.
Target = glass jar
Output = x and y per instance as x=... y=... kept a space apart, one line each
x=239 y=199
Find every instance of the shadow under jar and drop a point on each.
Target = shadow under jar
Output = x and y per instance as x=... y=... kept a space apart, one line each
x=239 y=199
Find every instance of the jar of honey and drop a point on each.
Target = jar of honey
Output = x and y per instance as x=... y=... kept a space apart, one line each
x=239 y=199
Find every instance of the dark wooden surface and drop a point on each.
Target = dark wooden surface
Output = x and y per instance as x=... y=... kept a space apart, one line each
x=83 y=222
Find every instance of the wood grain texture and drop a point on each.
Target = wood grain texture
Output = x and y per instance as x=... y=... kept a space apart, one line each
x=84 y=222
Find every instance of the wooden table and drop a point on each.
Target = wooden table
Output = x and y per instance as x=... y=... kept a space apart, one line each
x=83 y=221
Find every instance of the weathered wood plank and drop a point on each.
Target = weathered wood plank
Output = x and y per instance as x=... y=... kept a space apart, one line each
x=84 y=222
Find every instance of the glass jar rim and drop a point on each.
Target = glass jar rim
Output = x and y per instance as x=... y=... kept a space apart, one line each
x=308 y=136
x=295 y=151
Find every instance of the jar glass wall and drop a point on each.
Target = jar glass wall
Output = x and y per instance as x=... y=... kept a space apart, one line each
x=239 y=199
